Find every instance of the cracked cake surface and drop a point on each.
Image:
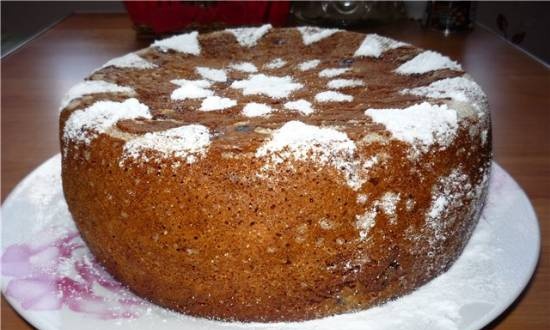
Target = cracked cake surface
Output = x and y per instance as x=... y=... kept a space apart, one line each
x=268 y=174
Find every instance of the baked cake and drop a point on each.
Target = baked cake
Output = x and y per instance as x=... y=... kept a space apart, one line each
x=262 y=174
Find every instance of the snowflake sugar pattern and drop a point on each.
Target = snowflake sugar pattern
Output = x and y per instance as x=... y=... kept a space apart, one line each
x=275 y=90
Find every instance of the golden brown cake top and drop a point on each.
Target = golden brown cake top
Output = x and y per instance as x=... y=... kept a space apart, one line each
x=302 y=93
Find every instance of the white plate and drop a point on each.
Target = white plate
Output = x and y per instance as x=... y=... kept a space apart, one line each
x=50 y=278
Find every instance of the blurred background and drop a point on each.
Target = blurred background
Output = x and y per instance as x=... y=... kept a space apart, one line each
x=523 y=24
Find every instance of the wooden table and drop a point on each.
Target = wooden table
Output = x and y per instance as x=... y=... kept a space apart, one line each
x=35 y=77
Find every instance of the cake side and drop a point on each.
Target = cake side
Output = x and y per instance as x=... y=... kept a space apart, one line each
x=276 y=182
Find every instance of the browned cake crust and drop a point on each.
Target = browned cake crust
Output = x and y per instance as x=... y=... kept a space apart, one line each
x=231 y=234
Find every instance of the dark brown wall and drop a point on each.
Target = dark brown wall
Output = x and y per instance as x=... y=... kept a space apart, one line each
x=22 y=20
x=525 y=23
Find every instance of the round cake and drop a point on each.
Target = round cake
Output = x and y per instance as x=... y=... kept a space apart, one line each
x=263 y=174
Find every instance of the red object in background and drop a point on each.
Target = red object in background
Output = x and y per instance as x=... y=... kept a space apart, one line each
x=172 y=16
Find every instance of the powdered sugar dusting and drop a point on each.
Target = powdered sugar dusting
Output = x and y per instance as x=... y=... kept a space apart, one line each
x=130 y=61
x=427 y=61
x=332 y=72
x=364 y=222
x=186 y=142
x=213 y=103
x=300 y=138
x=460 y=89
x=93 y=87
x=184 y=43
x=326 y=146
x=256 y=109
x=302 y=106
x=344 y=83
x=447 y=196
x=371 y=161
x=483 y=136
x=388 y=203
x=244 y=67
x=308 y=65
x=311 y=34
x=438 y=206
x=374 y=45
x=248 y=37
x=272 y=86
x=217 y=75
x=191 y=89
x=420 y=125
x=275 y=64
x=362 y=198
x=86 y=124
x=199 y=83
x=332 y=96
